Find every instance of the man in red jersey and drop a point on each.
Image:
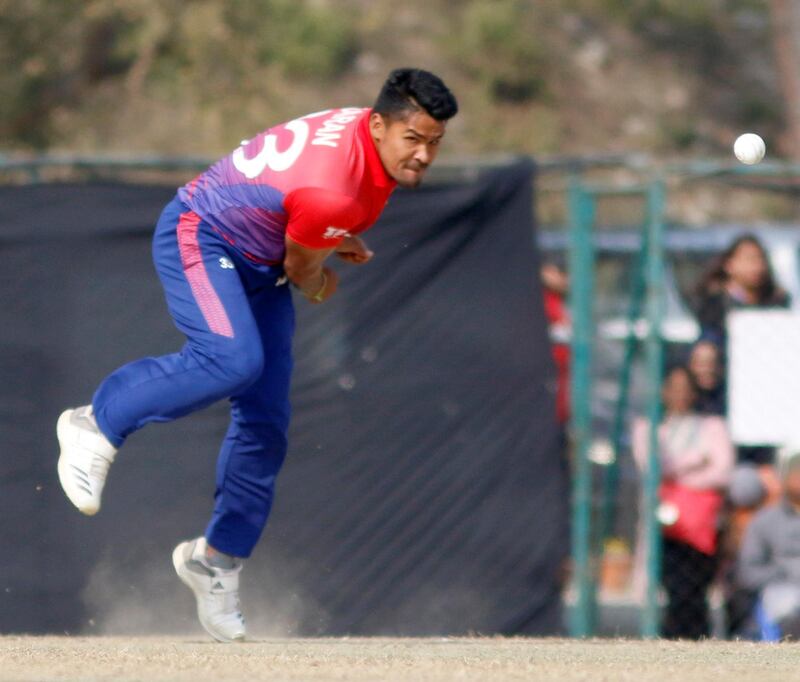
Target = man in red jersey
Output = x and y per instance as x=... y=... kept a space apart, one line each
x=273 y=210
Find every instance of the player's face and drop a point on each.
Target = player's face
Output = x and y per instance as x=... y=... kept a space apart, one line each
x=407 y=147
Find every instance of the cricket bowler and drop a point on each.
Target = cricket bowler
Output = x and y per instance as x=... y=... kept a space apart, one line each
x=225 y=249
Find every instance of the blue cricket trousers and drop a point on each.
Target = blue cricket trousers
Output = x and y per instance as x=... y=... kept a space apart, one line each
x=238 y=319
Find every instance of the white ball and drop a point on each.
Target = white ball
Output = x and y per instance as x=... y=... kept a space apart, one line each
x=749 y=148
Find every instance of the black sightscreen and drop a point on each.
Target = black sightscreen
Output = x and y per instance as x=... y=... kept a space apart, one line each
x=425 y=490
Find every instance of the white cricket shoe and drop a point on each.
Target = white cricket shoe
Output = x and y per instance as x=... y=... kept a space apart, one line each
x=86 y=455
x=215 y=589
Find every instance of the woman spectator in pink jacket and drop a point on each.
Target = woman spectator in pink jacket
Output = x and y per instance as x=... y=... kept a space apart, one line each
x=696 y=457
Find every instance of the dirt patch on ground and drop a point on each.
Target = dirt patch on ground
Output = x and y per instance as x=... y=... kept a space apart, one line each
x=159 y=659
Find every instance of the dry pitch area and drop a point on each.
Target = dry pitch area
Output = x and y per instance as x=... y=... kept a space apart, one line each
x=158 y=659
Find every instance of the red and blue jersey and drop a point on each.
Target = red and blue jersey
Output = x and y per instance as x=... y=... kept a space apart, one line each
x=317 y=178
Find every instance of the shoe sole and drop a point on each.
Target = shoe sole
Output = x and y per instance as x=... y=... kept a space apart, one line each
x=183 y=574
x=63 y=472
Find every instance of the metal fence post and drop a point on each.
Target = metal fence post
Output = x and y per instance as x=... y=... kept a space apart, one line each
x=581 y=269
x=611 y=472
x=654 y=353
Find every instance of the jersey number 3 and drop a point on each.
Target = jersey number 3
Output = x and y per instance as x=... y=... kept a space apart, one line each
x=269 y=156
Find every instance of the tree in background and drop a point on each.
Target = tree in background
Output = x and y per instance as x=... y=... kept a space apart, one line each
x=785 y=16
x=577 y=76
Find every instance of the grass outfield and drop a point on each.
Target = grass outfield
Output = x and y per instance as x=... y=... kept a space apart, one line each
x=156 y=659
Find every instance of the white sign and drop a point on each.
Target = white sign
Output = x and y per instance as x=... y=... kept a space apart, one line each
x=764 y=377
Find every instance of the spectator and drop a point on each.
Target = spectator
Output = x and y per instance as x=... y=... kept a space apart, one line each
x=696 y=459
x=769 y=560
x=741 y=277
x=751 y=488
x=555 y=286
x=705 y=365
x=555 y=283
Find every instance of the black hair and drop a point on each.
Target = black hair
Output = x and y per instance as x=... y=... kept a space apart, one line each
x=715 y=277
x=409 y=90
